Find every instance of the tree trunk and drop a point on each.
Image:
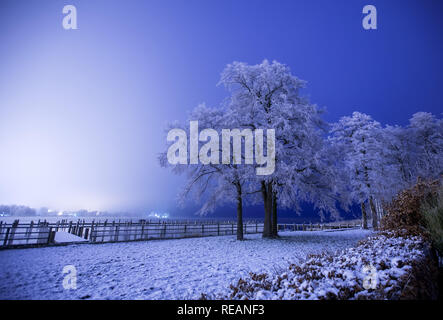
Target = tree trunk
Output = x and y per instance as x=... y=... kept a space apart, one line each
x=374 y=214
x=363 y=216
x=267 y=226
x=274 y=216
x=239 y=213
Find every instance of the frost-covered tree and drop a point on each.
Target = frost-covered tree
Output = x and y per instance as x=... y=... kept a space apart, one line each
x=411 y=152
x=359 y=136
x=426 y=131
x=398 y=154
x=267 y=95
x=399 y=161
x=209 y=181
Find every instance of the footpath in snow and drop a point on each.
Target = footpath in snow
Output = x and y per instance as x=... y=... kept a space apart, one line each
x=161 y=269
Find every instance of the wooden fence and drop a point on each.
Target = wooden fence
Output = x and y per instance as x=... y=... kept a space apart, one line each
x=16 y=234
x=44 y=233
x=317 y=226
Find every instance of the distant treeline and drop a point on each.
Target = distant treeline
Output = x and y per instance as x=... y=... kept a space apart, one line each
x=22 y=211
x=16 y=210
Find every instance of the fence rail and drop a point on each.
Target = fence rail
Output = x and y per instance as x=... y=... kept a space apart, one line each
x=44 y=233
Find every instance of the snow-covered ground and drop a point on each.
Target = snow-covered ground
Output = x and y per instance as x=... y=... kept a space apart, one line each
x=162 y=269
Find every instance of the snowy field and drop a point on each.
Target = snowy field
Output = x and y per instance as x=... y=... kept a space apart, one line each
x=162 y=269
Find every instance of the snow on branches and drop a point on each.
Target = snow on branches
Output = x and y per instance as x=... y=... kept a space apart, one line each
x=355 y=160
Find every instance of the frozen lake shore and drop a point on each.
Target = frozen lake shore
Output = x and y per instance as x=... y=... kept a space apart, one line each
x=163 y=269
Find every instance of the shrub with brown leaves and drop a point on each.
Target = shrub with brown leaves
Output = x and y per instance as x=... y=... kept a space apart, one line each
x=404 y=212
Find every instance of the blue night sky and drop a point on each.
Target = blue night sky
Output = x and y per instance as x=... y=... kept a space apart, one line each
x=82 y=111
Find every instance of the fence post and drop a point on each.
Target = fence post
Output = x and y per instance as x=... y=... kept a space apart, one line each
x=51 y=235
x=104 y=230
x=12 y=232
x=126 y=229
x=5 y=242
x=91 y=237
x=218 y=228
x=164 y=231
x=117 y=231
x=28 y=235
x=143 y=230
x=147 y=230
